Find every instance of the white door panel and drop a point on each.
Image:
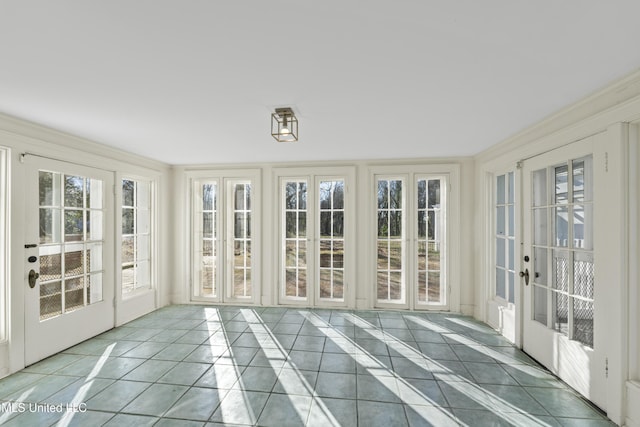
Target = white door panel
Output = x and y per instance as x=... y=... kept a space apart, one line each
x=559 y=306
x=69 y=255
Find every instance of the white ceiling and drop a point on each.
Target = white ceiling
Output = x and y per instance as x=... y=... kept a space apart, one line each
x=195 y=81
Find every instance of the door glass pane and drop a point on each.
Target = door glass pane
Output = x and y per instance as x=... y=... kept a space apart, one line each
x=561 y=226
x=500 y=253
x=66 y=262
x=583 y=275
x=512 y=221
x=94 y=225
x=583 y=227
x=49 y=189
x=390 y=240
x=512 y=188
x=561 y=174
x=500 y=189
x=512 y=281
x=583 y=321
x=561 y=270
x=74 y=191
x=500 y=283
x=73 y=225
x=540 y=226
x=540 y=187
x=50 y=225
x=500 y=220
x=50 y=300
x=128 y=192
x=540 y=266
x=561 y=312
x=434 y=193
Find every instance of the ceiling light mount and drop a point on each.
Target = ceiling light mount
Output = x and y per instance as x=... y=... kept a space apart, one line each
x=284 y=125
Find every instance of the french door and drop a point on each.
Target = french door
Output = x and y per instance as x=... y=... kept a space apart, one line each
x=558 y=267
x=411 y=241
x=225 y=239
x=315 y=241
x=69 y=286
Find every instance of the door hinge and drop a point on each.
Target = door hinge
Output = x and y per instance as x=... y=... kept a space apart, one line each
x=606 y=161
x=606 y=367
x=519 y=164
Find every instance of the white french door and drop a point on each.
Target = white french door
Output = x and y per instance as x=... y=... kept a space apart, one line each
x=558 y=267
x=224 y=239
x=411 y=241
x=315 y=239
x=69 y=261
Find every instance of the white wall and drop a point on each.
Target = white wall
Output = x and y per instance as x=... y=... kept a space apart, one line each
x=19 y=137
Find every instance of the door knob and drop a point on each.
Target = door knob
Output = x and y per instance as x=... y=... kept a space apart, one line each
x=33 y=276
x=525 y=274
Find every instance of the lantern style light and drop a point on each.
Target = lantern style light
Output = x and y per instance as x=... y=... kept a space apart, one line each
x=284 y=125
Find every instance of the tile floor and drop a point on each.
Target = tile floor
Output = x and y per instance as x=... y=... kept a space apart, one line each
x=204 y=365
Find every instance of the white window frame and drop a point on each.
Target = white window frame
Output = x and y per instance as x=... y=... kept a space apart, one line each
x=510 y=235
x=224 y=179
x=151 y=234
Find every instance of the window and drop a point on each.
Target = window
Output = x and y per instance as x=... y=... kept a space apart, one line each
x=136 y=235
x=4 y=276
x=505 y=237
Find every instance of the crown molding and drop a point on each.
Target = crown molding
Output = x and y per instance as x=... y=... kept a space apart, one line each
x=615 y=94
x=34 y=131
